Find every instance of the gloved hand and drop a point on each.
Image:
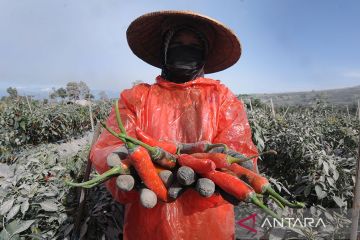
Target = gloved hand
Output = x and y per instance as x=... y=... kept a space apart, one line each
x=118 y=158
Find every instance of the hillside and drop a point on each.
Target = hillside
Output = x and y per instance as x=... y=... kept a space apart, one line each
x=341 y=96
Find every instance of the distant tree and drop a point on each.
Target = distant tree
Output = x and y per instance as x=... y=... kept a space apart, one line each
x=73 y=90
x=53 y=94
x=61 y=92
x=89 y=96
x=84 y=90
x=13 y=93
x=103 y=96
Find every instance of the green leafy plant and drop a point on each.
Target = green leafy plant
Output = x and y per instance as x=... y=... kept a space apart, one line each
x=21 y=126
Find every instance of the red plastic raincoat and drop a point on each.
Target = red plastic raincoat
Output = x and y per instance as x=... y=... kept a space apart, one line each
x=201 y=109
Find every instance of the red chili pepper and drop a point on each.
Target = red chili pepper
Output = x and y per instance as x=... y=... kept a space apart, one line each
x=225 y=170
x=141 y=161
x=198 y=165
x=231 y=184
x=221 y=160
x=163 y=158
x=237 y=188
x=197 y=147
x=166 y=145
x=200 y=147
x=260 y=184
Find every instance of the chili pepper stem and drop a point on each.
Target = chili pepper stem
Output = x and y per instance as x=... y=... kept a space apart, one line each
x=282 y=200
x=277 y=202
x=232 y=160
x=138 y=142
x=121 y=125
x=118 y=118
x=214 y=145
x=135 y=141
x=257 y=202
x=156 y=153
x=260 y=197
x=126 y=138
x=245 y=159
x=98 y=179
x=263 y=153
x=111 y=131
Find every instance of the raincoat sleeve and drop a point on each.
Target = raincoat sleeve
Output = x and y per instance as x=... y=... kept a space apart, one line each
x=107 y=143
x=233 y=127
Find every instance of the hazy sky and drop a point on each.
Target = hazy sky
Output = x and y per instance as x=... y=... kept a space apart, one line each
x=288 y=45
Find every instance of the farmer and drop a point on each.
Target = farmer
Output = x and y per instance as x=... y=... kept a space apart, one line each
x=182 y=106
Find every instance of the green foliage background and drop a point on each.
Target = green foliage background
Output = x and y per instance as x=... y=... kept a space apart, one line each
x=21 y=127
x=315 y=164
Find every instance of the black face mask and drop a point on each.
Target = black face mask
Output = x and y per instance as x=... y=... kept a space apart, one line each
x=183 y=63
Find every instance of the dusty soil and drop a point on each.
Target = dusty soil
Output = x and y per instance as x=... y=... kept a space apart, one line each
x=73 y=146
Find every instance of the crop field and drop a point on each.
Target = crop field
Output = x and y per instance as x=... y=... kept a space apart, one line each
x=42 y=145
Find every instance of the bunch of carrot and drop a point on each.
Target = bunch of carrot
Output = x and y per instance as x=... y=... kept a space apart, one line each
x=162 y=170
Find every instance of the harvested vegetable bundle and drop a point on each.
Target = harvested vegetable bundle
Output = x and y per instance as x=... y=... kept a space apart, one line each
x=151 y=158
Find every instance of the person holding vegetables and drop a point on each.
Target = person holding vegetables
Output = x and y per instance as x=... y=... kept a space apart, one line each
x=182 y=107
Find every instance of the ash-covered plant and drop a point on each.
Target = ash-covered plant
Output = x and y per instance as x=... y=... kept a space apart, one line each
x=22 y=125
x=317 y=150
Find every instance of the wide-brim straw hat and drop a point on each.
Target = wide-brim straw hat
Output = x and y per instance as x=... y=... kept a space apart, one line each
x=145 y=37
